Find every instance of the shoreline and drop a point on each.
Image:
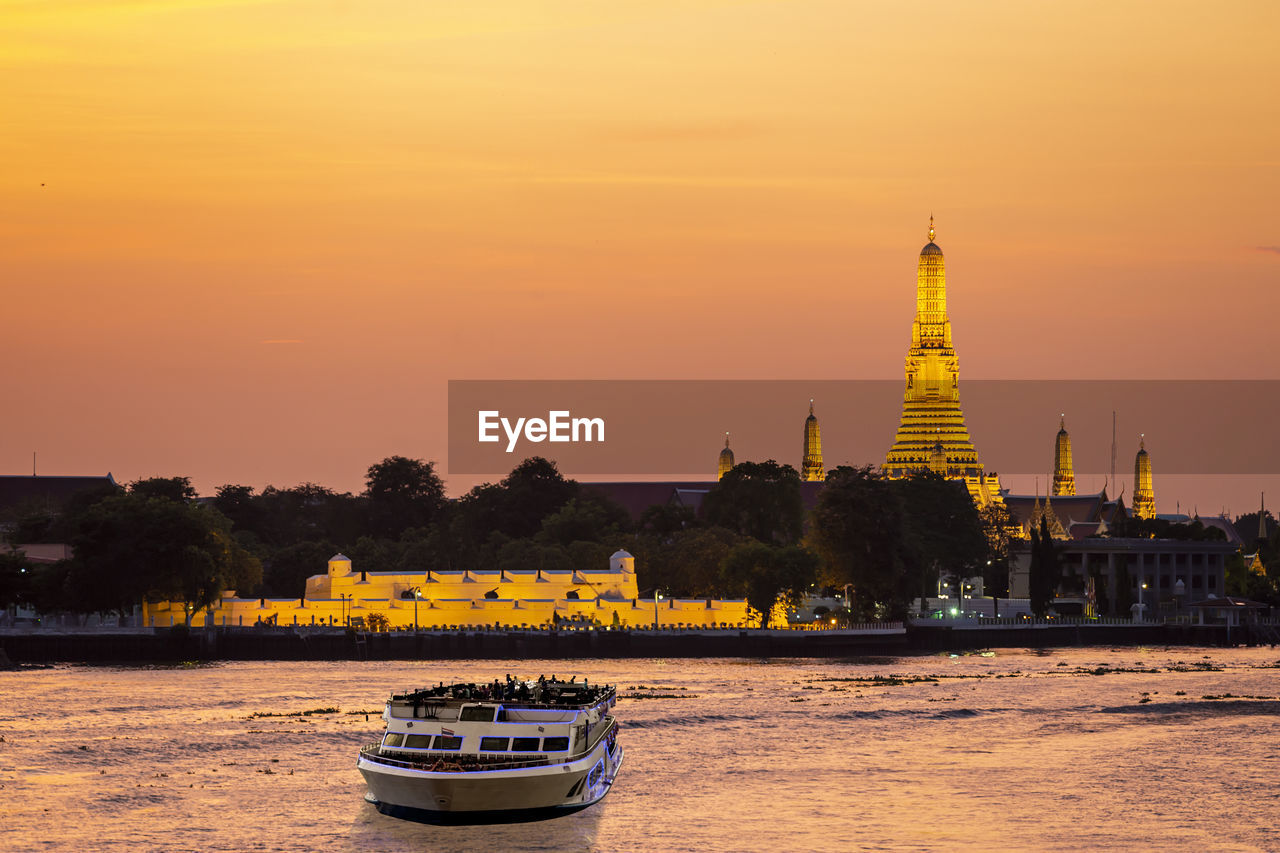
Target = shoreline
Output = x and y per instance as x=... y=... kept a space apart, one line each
x=165 y=645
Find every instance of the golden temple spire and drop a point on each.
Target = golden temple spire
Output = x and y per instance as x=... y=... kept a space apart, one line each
x=726 y=459
x=811 y=462
x=931 y=413
x=1144 y=498
x=1064 y=475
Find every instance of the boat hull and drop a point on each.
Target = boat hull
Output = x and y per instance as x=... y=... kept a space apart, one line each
x=526 y=794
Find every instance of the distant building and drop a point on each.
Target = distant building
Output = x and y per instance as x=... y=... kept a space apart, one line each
x=1064 y=475
x=434 y=599
x=811 y=469
x=1082 y=525
x=932 y=434
x=1144 y=496
x=22 y=493
x=1165 y=566
x=725 y=463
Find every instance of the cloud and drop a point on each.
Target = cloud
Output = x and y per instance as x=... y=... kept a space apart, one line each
x=284 y=341
x=1275 y=250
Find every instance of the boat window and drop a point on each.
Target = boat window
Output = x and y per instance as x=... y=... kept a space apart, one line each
x=555 y=744
x=417 y=741
x=524 y=744
x=477 y=714
x=596 y=773
x=393 y=739
x=494 y=744
x=448 y=742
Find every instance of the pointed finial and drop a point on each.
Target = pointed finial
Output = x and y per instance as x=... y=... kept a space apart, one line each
x=1142 y=441
x=726 y=438
x=1062 y=422
x=810 y=405
x=930 y=227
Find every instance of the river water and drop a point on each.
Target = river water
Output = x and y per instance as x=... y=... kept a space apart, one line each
x=1066 y=749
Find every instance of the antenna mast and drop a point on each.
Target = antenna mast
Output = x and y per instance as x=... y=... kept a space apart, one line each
x=1113 y=448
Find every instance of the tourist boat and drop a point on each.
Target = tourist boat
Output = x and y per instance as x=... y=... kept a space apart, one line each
x=494 y=753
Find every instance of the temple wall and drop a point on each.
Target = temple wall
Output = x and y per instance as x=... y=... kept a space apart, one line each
x=525 y=598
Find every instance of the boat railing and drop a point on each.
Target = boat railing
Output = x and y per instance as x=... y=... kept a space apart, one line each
x=557 y=703
x=446 y=762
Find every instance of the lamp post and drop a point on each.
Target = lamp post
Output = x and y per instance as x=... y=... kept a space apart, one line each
x=995 y=602
x=417 y=593
x=657 y=596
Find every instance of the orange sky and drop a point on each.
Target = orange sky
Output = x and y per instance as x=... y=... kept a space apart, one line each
x=251 y=241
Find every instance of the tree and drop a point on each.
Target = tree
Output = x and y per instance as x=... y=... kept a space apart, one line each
x=134 y=547
x=286 y=571
x=945 y=533
x=1124 y=589
x=402 y=493
x=516 y=506
x=310 y=513
x=758 y=499
x=859 y=533
x=584 y=519
x=15 y=579
x=767 y=574
x=667 y=519
x=997 y=524
x=242 y=507
x=1045 y=572
x=168 y=488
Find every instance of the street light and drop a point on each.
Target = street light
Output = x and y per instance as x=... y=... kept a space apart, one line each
x=417 y=593
x=657 y=596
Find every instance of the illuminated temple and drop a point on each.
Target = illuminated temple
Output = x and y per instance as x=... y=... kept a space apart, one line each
x=430 y=598
x=932 y=435
x=1064 y=472
x=811 y=460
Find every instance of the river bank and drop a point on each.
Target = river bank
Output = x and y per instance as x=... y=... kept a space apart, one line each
x=259 y=643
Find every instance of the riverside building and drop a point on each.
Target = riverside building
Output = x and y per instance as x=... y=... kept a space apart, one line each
x=509 y=598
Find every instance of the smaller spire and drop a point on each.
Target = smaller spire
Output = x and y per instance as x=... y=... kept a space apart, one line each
x=726 y=438
x=811 y=406
x=931 y=228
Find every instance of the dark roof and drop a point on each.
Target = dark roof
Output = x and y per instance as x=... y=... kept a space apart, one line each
x=635 y=498
x=21 y=490
x=1068 y=508
x=931 y=249
x=1228 y=602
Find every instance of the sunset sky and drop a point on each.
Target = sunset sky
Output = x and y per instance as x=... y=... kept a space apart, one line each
x=250 y=242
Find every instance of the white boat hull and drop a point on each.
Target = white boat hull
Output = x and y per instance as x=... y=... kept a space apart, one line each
x=524 y=794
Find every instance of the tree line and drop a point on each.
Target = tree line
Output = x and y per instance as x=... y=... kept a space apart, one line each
x=883 y=542
x=886 y=541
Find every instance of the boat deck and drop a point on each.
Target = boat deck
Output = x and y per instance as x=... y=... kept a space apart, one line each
x=542 y=694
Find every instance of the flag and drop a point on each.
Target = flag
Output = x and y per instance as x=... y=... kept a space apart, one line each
x=445 y=731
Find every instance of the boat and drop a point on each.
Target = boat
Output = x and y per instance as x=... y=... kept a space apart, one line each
x=504 y=752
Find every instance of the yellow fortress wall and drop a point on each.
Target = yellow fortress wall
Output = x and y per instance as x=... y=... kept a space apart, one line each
x=433 y=599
